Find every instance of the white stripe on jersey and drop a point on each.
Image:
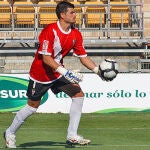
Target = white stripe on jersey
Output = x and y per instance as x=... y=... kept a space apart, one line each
x=57 y=48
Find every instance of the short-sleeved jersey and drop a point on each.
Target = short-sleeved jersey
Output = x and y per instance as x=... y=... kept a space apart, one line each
x=55 y=42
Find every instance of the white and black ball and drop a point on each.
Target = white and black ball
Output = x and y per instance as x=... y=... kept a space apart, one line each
x=109 y=69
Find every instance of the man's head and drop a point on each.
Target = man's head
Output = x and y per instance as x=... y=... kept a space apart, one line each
x=62 y=7
x=65 y=11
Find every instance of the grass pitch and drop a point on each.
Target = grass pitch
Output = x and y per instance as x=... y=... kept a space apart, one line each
x=117 y=131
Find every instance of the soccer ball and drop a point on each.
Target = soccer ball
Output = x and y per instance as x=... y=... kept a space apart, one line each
x=109 y=69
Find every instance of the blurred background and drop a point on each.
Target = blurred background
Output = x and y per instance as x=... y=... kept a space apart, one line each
x=117 y=29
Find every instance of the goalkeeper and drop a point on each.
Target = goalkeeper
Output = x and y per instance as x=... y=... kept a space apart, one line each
x=48 y=72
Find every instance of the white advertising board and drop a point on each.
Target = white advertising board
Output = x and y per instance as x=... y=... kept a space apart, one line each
x=128 y=92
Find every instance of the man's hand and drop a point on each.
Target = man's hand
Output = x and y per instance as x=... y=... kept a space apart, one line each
x=100 y=73
x=72 y=76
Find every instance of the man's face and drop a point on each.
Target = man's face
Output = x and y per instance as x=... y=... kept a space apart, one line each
x=69 y=16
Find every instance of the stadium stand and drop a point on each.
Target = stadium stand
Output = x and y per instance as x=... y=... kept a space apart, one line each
x=24 y=14
x=5 y=15
x=95 y=14
x=46 y=13
x=120 y=13
x=27 y=16
x=106 y=31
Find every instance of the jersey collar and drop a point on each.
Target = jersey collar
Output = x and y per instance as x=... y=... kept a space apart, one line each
x=62 y=29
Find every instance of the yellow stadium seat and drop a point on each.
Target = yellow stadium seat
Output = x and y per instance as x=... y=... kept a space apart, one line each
x=120 y=13
x=47 y=18
x=5 y=18
x=95 y=14
x=47 y=14
x=24 y=13
x=5 y=13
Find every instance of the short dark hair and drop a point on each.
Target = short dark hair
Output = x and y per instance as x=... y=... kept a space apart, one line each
x=62 y=7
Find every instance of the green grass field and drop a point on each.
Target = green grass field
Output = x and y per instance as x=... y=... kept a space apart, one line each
x=117 y=131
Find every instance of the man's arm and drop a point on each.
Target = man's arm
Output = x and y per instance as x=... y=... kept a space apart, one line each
x=48 y=60
x=73 y=77
x=88 y=63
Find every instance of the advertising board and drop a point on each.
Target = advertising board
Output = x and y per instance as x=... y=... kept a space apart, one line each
x=128 y=92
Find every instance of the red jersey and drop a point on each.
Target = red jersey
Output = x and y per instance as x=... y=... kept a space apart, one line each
x=56 y=43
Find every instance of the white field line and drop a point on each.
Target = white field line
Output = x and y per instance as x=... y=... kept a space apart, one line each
x=118 y=145
x=87 y=146
x=49 y=128
x=88 y=128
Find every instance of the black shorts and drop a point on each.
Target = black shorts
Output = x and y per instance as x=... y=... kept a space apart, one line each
x=37 y=90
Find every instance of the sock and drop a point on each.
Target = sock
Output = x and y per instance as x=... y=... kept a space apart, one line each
x=75 y=115
x=19 y=119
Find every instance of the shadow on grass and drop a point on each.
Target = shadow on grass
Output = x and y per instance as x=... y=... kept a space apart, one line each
x=47 y=144
x=41 y=144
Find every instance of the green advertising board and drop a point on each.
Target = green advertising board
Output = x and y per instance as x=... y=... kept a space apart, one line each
x=13 y=93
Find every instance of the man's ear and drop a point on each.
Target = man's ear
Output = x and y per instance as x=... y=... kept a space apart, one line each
x=62 y=15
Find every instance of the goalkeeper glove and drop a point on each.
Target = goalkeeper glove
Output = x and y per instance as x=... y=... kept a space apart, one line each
x=100 y=73
x=72 y=76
